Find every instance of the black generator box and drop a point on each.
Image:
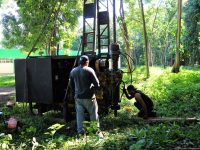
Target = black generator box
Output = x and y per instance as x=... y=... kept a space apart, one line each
x=42 y=79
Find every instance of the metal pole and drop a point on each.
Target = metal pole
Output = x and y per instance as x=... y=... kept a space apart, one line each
x=114 y=23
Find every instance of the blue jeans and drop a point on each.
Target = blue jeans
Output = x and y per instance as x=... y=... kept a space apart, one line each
x=86 y=104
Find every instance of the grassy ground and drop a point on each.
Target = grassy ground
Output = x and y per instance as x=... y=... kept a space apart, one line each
x=174 y=95
x=7 y=80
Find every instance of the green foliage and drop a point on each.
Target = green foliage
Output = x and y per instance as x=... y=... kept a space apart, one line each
x=6 y=81
x=174 y=95
x=191 y=34
x=53 y=129
x=5 y=141
x=91 y=127
x=168 y=89
x=174 y=89
x=56 y=20
x=161 y=26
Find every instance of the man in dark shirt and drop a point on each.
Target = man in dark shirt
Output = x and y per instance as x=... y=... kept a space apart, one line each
x=83 y=82
x=143 y=102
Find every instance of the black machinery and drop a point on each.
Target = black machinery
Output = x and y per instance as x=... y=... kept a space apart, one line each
x=43 y=81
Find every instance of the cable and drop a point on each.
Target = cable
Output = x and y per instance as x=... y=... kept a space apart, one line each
x=131 y=71
x=123 y=87
x=128 y=63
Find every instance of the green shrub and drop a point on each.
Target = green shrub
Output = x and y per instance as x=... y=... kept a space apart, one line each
x=174 y=95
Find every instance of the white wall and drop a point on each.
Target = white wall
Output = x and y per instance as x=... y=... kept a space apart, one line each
x=6 y=68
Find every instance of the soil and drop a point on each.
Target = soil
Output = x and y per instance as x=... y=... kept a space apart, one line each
x=7 y=94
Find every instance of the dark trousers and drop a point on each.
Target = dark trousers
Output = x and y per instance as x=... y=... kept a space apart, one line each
x=149 y=110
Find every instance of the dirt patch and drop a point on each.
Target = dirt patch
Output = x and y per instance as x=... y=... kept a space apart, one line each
x=7 y=93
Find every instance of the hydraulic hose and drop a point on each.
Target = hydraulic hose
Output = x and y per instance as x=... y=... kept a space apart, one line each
x=131 y=71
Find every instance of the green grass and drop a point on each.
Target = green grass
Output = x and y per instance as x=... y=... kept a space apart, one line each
x=7 y=80
x=174 y=95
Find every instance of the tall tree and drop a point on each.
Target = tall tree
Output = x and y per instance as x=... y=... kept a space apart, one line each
x=176 y=66
x=56 y=20
x=162 y=31
x=125 y=34
x=160 y=27
x=191 y=35
x=145 y=37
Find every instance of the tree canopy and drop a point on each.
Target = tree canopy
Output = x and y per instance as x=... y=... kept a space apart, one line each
x=192 y=32
x=56 y=20
x=49 y=23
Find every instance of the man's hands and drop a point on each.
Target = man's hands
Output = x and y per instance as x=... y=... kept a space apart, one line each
x=124 y=89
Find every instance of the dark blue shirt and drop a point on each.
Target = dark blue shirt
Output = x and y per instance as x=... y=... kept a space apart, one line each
x=83 y=82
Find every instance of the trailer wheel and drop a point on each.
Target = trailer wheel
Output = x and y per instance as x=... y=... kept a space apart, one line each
x=41 y=109
x=37 y=109
x=67 y=115
x=31 y=108
x=115 y=112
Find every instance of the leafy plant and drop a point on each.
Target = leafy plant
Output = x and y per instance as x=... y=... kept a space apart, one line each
x=91 y=127
x=174 y=95
x=52 y=129
x=5 y=141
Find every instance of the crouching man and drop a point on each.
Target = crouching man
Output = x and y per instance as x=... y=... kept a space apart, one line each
x=143 y=103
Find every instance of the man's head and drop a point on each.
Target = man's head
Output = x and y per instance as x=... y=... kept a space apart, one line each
x=84 y=60
x=131 y=89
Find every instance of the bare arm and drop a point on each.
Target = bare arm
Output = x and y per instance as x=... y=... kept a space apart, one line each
x=127 y=95
x=95 y=80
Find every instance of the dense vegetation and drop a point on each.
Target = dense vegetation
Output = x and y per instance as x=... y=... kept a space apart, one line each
x=50 y=25
x=45 y=25
x=174 y=95
x=40 y=25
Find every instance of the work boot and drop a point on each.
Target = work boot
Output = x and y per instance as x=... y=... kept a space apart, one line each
x=152 y=114
x=99 y=134
x=140 y=114
x=82 y=133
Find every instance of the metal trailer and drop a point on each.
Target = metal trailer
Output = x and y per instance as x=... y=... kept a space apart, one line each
x=43 y=81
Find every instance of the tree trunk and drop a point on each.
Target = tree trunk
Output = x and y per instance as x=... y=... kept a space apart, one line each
x=176 y=65
x=125 y=35
x=150 y=55
x=135 y=57
x=171 y=57
x=145 y=38
x=161 y=58
x=165 y=50
x=198 y=56
x=165 y=62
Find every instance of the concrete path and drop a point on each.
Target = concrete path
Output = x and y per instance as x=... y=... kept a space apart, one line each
x=6 y=93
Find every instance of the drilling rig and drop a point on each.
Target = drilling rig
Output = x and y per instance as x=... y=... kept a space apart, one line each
x=42 y=81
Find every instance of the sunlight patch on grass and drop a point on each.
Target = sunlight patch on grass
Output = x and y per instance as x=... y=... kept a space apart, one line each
x=174 y=95
x=156 y=71
x=6 y=81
